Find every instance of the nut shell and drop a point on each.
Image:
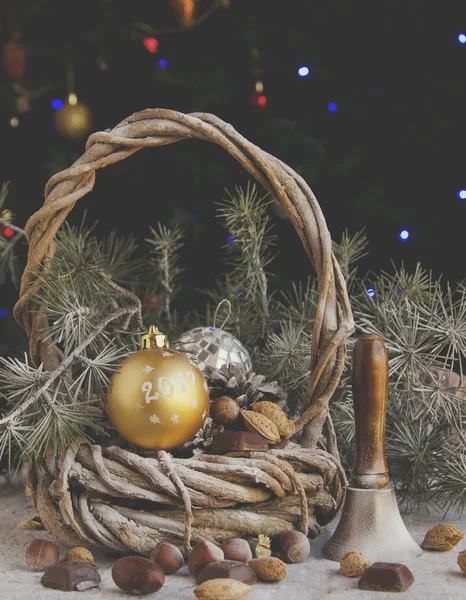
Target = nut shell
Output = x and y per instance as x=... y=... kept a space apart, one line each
x=137 y=575
x=293 y=546
x=201 y=555
x=168 y=557
x=225 y=411
x=41 y=554
x=260 y=546
x=462 y=561
x=268 y=569
x=237 y=549
x=442 y=537
x=254 y=421
x=80 y=555
x=354 y=564
x=278 y=416
x=222 y=589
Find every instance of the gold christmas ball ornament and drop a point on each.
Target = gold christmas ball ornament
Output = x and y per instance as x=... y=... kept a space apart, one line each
x=215 y=347
x=158 y=399
x=74 y=120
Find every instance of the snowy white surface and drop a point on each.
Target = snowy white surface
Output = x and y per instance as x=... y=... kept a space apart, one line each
x=437 y=575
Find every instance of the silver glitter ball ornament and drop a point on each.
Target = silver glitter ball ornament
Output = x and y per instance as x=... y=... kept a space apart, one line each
x=214 y=347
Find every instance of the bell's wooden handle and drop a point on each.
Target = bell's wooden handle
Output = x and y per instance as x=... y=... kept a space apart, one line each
x=370 y=391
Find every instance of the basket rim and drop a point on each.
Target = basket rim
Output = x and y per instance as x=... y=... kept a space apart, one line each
x=333 y=322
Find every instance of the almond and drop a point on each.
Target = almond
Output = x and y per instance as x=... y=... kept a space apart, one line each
x=81 y=555
x=278 y=416
x=268 y=569
x=222 y=589
x=257 y=422
x=442 y=537
x=354 y=564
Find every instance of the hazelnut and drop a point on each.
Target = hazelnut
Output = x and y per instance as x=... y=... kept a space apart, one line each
x=137 y=575
x=237 y=549
x=462 y=561
x=294 y=547
x=168 y=557
x=224 y=410
x=80 y=555
x=42 y=554
x=201 y=555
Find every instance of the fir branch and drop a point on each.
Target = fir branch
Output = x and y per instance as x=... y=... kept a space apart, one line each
x=165 y=246
x=349 y=251
x=286 y=354
x=245 y=216
x=121 y=265
x=299 y=304
x=449 y=491
x=51 y=377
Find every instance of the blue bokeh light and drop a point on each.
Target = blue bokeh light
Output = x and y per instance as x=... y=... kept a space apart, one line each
x=304 y=71
x=332 y=107
x=404 y=235
x=162 y=63
x=4 y=313
x=370 y=292
x=462 y=38
x=57 y=104
x=462 y=194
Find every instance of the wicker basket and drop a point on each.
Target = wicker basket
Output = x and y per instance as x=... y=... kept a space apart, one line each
x=116 y=498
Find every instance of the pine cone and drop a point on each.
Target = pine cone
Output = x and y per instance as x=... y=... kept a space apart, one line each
x=204 y=437
x=233 y=381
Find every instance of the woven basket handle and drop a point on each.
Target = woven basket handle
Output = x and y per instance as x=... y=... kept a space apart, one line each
x=157 y=127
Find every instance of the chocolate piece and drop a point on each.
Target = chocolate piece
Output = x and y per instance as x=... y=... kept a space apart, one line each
x=386 y=577
x=238 y=441
x=227 y=569
x=68 y=576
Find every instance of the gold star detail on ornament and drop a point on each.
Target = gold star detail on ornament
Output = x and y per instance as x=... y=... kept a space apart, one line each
x=138 y=405
x=166 y=354
x=205 y=386
x=154 y=419
x=175 y=419
x=204 y=414
x=193 y=403
x=147 y=369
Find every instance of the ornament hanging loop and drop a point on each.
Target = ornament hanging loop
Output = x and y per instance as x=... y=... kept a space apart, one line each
x=154 y=339
x=228 y=303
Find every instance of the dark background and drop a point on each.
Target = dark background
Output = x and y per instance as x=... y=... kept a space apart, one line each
x=390 y=158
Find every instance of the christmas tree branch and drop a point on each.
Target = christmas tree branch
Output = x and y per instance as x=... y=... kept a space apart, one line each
x=245 y=217
x=64 y=366
x=165 y=246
